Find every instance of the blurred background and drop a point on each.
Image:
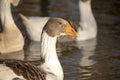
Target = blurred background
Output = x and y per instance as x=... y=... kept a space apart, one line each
x=95 y=59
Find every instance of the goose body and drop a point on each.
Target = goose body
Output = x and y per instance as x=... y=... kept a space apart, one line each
x=50 y=67
x=11 y=38
x=87 y=29
x=34 y=26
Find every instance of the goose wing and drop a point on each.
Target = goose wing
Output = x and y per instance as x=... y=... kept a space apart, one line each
x=25 y=69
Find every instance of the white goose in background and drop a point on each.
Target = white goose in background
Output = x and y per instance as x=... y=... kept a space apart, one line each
x=87 y=29
x=88 y=26
x=11 y=38
x=50 y=67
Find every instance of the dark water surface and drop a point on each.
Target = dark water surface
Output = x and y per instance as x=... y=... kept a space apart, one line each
x=95 y=59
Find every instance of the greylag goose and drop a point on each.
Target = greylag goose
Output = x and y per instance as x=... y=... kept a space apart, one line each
x=11 y=38
x=50 y=67
x=87 y=29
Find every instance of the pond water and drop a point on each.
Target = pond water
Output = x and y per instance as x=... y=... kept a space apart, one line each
x=95 y=59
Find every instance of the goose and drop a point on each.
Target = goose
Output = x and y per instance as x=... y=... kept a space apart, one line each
x=50 y=67
x=87 y=29
x=11 y=38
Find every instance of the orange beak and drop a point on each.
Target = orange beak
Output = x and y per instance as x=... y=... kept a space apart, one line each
x=70 y=31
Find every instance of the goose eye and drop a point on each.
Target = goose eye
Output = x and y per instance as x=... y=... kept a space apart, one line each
x=60 y=23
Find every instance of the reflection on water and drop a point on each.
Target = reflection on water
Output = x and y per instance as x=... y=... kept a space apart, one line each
x=16 y=55
x=86 y=61
x=32 y=51
x=79 y=63
x=87 y=49
x=95 y=59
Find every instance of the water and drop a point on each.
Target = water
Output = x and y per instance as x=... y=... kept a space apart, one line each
x=95 y=59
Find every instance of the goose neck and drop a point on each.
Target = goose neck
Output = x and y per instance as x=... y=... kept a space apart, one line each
x=51 y=62
x=5 y=12
x=85 y=10
x=86 y=16
x=48 y=46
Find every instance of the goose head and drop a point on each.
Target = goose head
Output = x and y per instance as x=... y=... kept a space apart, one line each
x=58 y=26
